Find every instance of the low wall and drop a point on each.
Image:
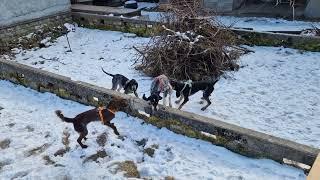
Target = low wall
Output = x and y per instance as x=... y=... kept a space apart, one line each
x=145 y=28
x=240 y=140
x=30 y=33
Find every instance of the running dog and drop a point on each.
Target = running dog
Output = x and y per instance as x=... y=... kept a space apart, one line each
x=160 y=84
x=120 y=81
x=103 y=114
x=188 y=88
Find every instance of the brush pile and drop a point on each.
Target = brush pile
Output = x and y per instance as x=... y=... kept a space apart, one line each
x=190 y=45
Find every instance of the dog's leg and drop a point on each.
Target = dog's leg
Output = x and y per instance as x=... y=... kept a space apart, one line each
x=208 y=103
x=164 y=100
x=202 y=100
x=136 y=94
x=119 y=88
x=114 y=86
x=115 y=130
x=82 y=136
x=180 y=99
x=186 y=99
x=170 y=94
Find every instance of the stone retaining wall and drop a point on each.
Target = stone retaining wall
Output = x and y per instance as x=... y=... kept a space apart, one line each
x=240 y=140
x=145 y=28
x=30 y=33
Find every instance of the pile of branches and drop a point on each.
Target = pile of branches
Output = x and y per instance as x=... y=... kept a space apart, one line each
x=190 y=45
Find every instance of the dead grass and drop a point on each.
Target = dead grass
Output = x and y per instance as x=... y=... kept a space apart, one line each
x=30 y=128
x=129 y=168
x=10 y=125
x=149 y=151
x=169 y=178
x=102 y=139
x=4 y=163
x=48 y=160
x=4 y=144
x=65 y=138
x=95 y=157
x=60 y=152
x=37 y=150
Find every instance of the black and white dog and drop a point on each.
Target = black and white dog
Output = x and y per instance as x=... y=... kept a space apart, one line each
x=120 y=81
x=188 y=88
x=160 y=84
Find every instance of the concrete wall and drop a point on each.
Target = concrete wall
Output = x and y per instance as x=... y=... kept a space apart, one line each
x=313 y=9
x=144 y=27
x=28 y=34
x=13 y=11
x=240 y=140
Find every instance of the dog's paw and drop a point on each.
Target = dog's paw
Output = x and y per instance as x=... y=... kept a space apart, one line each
x=84 y=146
x=201 y=102
x=177 y=102
x=202 y=109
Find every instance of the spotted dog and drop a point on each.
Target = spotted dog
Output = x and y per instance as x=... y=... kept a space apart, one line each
x=120 y=81
x=160 y=84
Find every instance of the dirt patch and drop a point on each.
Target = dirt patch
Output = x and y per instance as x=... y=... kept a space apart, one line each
x=65 y=138
x=20 y=174
x=142 y=142
x=95 y=157
x=4 y=144
x=169 y=178
x=4 y=163
x=60 y=152
x=102 y=139
x=10 y=125
x=30 y=128
x=129 y=168
x=150 y=150
x=48 y=160
x=37 y=150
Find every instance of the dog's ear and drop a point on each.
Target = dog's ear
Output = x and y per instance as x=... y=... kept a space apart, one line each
x=145 y=98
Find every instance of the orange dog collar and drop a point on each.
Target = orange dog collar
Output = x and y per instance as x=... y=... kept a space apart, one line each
x=100 y=109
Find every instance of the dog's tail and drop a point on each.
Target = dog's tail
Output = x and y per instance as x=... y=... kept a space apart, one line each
x=145 y=98
x=61 y=116
x=107 y=72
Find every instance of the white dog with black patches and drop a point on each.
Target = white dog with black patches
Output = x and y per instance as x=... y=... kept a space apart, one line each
x=160 y=84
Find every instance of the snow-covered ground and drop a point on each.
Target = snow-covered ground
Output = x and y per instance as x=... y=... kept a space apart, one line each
x=256 y=23
x=266 y=24
x=276 y=92
x=31 y=134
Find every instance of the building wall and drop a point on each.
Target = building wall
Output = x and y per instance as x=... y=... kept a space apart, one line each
x=313 y=9
x=14 y=11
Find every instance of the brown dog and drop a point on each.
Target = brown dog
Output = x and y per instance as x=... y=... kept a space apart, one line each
x=103 y=114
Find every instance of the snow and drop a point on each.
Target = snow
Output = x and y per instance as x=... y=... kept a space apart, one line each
x=146 y=5
x=276 y=92
x=266 y=24
x=28 y=121
x=256 y=23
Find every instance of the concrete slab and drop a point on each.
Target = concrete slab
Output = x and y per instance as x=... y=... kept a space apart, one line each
x=104 y=10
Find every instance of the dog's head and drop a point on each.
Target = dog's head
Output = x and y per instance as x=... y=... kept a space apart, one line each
x=117 y=104
x=131 y=86
x=153 y=99
x=176 y=86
